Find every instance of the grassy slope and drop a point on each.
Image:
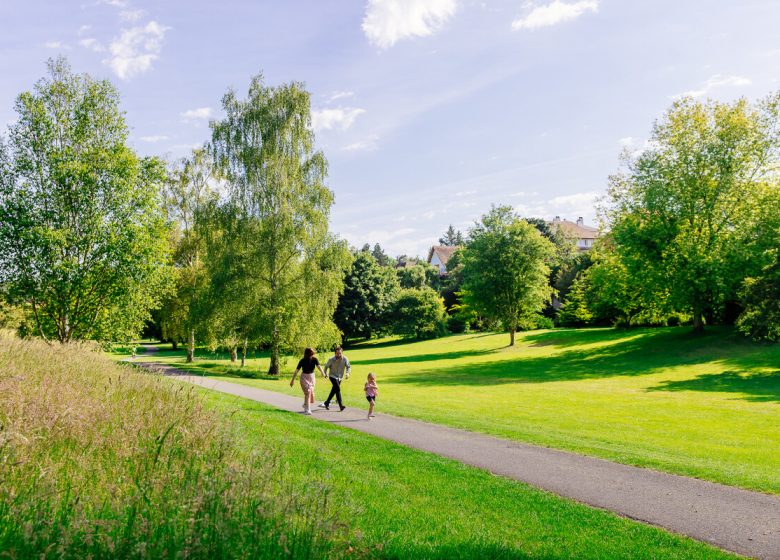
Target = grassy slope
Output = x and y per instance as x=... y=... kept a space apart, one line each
x=410 y=504
x=699 y=405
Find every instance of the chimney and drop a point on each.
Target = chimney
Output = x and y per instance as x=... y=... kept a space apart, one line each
x=580 y=222
x=557 y=219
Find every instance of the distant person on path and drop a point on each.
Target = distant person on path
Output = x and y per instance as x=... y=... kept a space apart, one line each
x=371 y=392
x=337 y=368
x=306 y=367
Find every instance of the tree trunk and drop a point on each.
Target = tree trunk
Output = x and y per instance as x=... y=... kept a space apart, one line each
x=233 y=354
x=273 y=369
x=175 y=344
x=698 y=321
x=243 y=352
x=512 y=337
x=191 y=347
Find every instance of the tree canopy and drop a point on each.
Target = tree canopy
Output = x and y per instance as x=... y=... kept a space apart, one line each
x=690 y=213
x=83 y=239
x=264 y=149
x=505 y=269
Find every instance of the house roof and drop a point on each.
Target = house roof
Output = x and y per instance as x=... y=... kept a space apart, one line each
x=575 y=229
x=444 y=253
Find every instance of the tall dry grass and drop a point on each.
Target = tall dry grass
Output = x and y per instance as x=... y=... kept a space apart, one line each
x=99 y=461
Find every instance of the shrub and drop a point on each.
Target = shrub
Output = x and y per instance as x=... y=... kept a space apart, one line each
x=419 y=313
x=99 y=461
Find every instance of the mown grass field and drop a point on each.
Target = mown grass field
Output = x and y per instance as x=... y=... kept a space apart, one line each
x=410 y=504
x=700 y=405
x=100 y=461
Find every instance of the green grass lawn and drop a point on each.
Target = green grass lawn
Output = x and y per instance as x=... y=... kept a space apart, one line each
x=700 y=405
x=404 y=503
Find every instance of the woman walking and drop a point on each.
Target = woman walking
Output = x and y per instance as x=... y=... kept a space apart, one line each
x=306 y=367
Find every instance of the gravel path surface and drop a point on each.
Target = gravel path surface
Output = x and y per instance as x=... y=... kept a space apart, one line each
x=730 y=518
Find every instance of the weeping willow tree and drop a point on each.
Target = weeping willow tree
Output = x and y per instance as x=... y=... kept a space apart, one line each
x=290 y=267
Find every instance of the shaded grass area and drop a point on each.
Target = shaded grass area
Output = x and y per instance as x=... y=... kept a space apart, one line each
x=410 y=504
x=704 y=405
x=97 y=461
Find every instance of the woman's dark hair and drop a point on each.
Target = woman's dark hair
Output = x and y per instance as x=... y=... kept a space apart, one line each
x=309 y=352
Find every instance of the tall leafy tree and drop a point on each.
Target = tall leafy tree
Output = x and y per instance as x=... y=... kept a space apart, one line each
x=188 y=193
x=418 y=313
x=369 y=291
x=687 y=214
x=506 y=271
x=83 y=239
x=276 y=188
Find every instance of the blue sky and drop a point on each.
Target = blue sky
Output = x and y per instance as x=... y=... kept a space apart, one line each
x=429 y=111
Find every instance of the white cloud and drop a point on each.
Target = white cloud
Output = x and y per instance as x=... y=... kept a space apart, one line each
x=716 y=81
x=115 y=3
x=92 y=44
x=131 y=15
x=368 y=145
x=554 y=13
x=134 y=51
x=388 y=21
x=83 y=29
x=199 y=114
x=341 y=118
x=627 y=142
x=465 y=193
x=154 y=138
x=340 y=95
x=59 y=45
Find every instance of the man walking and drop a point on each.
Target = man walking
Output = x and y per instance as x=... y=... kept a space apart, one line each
x=336 y=368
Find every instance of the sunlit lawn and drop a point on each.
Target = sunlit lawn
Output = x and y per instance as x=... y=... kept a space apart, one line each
x=700 y=405
x=410 y=504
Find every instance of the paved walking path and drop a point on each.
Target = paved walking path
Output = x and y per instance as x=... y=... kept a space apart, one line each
x=730 y=518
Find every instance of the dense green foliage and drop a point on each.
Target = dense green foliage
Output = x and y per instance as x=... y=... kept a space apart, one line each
x=689 y=216
x=82 y=233
x=505 y=270
x=369 y=292
x=418 y=313
x=761 y=298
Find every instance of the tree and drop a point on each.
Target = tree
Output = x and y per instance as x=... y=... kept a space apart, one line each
x=451 y=238
x=419 y=275
x=83 y=240
x=369 y=291
x=188 y=192
x=505 y=270
x=687 y=214
x=264 y=148
x=574 y=312
x=381 y=257
x=419 y=313
x=761 y=299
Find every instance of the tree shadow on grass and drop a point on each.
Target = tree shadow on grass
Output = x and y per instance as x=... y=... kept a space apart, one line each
x=754 y=387
x=634 y=355
x=424 y=357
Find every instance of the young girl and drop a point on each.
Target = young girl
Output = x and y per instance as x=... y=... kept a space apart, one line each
x=307 y=364
x=371 y=392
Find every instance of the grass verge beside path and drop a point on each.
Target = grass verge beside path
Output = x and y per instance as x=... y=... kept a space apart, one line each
x=706 y=405
x=411 y=504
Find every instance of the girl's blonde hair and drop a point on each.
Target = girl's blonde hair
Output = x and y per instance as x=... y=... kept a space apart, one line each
x=371 y=376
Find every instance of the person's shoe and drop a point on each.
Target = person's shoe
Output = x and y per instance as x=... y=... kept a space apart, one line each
x=323 y=405
x=307 y=411
x=372 y=415
x=341 y=407
x=369 y=417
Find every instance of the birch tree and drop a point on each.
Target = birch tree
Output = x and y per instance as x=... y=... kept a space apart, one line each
x=264 y=148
